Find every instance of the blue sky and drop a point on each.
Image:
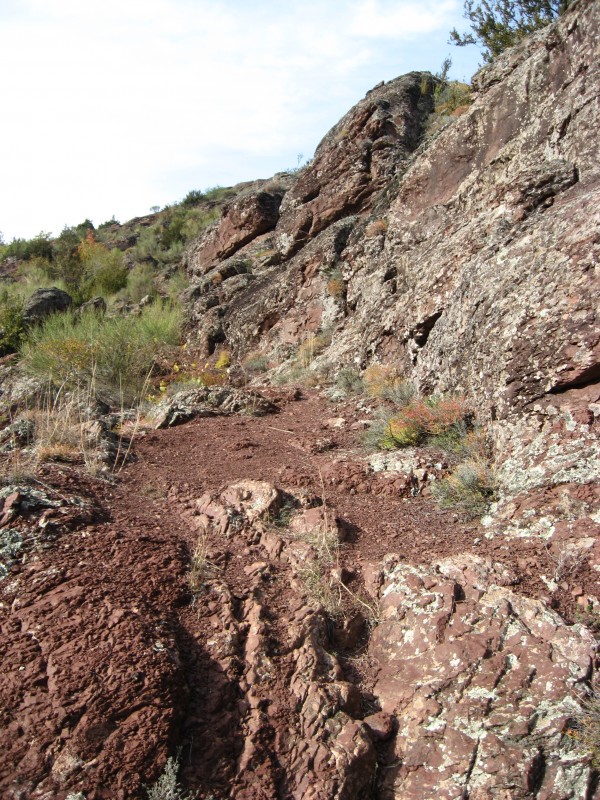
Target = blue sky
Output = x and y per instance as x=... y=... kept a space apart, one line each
x=114 y=106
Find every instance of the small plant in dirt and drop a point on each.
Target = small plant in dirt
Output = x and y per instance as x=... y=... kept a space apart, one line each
x=201 y=568
x=336 y=285
x=311 y=347
x=418 y=421
x=223 y=360
x=469 y=489
x=322 y=590
x=349 y=381
x=585 y=730
x=167 y=786
x=255 y=362
x=387 y=383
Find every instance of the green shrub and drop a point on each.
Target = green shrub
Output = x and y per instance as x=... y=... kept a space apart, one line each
x=177 y=283
x=469 y=489
x=349 y=381
x=197 y=220
x=38 y=247
x=103 y=270
x=192 y=198
x=140 y=283
x=12 y=329
x=114 y=354
x=255 y=361
x=498 y=24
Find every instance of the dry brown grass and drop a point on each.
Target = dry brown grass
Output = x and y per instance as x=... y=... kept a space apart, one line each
x=376 y=228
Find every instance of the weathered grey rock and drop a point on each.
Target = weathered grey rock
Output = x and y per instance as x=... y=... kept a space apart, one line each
x=97 y=304
x=482 y=682
x=208 y=401
x=44 y=302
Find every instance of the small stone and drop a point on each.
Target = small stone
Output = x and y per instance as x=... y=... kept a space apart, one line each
x=381 y=725
x=255 y=569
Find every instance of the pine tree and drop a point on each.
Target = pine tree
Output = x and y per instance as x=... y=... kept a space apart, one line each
x=498 y=24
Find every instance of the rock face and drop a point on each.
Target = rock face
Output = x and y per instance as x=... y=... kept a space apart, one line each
x=242 y=221
x=356 y=158
x=480 y=680
x=44 y=302
x=465 y=255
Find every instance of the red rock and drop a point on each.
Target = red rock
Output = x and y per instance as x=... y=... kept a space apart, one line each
x=381 y=725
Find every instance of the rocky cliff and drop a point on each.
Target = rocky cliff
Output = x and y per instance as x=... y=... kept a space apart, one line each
x=465 y=254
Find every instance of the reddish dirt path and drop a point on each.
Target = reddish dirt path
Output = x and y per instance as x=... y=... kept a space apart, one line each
x=108 y=661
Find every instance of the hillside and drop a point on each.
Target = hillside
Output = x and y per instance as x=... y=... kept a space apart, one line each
x=343 y=542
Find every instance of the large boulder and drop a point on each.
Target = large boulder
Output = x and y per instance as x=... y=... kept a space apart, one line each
x=43 y=303
x=242 y=221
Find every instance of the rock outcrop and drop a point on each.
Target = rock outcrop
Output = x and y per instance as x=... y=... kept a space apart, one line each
x=44 y=302
x=465 y=255
x=481 y=682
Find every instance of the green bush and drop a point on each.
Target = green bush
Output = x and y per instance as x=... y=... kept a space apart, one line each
x=12 y=329
x=192 y=198
x=26 y=249
x=469 y=489
x=498 y=24
x=349 y=381
x=114 y=355
x=103 y=270
x=140 y=283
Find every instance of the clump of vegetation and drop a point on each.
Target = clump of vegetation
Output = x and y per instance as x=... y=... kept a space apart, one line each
x=316 y=577
x=311 y=347
x=469 y=489
x=452 y=97
x=444 y=422
x=114 y=354
x=167 y=786
x=498 y=24
x=103 y=270
x=336 y=285
x=201 y=568
x=12 y=329
x=255 y=362
x=376 y=228
x=586 y=730
x=223 y=360
x=349 y=381
x=387 y=383
x=418 y=421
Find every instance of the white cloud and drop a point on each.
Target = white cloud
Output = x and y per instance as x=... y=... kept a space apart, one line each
x=389 y=19
x=109 y=106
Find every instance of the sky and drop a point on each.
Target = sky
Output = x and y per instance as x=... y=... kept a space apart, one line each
x=111 y=107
